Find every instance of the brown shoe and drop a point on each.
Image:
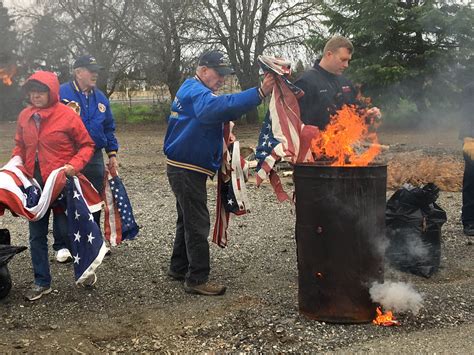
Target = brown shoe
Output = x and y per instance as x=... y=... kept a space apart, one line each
x=206 y=289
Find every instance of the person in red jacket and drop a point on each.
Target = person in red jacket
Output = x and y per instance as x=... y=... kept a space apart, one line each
x=49 y=135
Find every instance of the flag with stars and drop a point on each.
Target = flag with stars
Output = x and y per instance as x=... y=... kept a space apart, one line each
x=24 y=197
x=283 y=134
x=86 y=243
x=119 y=222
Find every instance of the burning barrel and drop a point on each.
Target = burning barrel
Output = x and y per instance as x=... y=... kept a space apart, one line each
x=340 y=228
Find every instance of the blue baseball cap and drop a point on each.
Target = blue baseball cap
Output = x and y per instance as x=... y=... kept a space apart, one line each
x=216 y=60
x=88 y=62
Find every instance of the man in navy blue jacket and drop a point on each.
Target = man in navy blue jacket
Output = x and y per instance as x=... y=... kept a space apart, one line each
x=93 y=106
x=193 y=147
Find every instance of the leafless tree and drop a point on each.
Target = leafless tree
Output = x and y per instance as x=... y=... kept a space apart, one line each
x=248 y=28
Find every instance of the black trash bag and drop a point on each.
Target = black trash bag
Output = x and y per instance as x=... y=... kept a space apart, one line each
x=6 y=254
x=414 y=222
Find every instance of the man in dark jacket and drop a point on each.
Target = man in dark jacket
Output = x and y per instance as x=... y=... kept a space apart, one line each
x=467 y=135
x=325 y=88
x=193 y=147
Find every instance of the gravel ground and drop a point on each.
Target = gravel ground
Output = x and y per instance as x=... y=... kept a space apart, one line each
x=135 y=307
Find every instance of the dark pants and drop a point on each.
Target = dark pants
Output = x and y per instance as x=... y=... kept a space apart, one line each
x=191 y=248
x=94 y=172
x=467 y=215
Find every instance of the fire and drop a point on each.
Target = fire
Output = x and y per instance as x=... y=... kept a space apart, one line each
x=347 y=140
x=385 y=319
x=6 y=74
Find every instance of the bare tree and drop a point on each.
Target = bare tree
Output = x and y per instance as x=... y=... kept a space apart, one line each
x=95 y=27
x=248 y=28
x=161 y=38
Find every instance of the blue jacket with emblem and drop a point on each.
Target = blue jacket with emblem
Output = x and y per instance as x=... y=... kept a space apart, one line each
x=95 y=112
x=194 y=139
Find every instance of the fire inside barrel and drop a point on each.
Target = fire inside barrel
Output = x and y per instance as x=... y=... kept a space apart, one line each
x=340 y=223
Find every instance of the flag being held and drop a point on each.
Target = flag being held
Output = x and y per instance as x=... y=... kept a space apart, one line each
x=86 y=243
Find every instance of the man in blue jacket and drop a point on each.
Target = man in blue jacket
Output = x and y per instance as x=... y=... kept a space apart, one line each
x=193 y=147
x=93 y=106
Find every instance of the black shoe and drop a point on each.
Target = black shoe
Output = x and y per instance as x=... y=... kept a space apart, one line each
x=469 y=230
x=175 y=275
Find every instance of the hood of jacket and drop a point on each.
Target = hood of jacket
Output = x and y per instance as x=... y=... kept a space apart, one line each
x=51 y=81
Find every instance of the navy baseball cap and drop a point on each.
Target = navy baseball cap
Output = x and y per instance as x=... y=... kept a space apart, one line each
x=89 y=62
x=216 y=61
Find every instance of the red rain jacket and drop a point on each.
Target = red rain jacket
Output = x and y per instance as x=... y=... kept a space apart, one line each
x=61 y=138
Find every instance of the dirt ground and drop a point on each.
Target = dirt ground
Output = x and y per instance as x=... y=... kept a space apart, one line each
x=135 y=308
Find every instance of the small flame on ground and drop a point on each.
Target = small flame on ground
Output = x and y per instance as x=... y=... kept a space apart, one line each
x=385 y=319
x=348 y=139
x=6 y=74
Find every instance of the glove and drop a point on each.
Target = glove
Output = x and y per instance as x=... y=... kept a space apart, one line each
x=468 y=148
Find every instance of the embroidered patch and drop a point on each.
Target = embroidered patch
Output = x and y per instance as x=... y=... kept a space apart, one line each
x=101 y=107
x=75 y=106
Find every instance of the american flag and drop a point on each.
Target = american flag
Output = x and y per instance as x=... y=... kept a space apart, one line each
x=231 y=189
x=24 y=197
x=119 y=222
x=283 y=134
x=86 y=243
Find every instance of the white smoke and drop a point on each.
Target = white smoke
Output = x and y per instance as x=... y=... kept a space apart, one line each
x=396 y=296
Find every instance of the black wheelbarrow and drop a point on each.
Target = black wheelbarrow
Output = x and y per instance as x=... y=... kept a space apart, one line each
x=7 y=252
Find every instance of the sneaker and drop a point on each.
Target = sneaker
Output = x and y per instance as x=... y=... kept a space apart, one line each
x=63 y=256
x=175 y=275
x=469 y=230
x=206 y=289
x=36 y=292
x=89 y=281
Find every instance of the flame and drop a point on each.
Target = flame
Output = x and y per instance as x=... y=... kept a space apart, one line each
x=6 y=74
x=385 y=319
x=348 y=139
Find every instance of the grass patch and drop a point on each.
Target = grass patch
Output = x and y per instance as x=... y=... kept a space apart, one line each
x=141 y=113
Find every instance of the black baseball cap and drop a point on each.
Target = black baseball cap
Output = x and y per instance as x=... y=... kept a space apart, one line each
x=34 y=85
x=88 y=62
x=216 y=61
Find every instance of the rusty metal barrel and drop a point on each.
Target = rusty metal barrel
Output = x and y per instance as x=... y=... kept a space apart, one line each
x=340 y=231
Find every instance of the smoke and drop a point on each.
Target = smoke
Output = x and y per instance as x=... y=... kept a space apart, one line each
x=396 y=296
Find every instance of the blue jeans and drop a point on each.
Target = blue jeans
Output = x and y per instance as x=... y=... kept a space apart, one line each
x=191 y=248
x=39 y=245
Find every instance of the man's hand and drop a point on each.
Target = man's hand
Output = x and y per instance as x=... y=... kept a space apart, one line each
x=374 y=113
x=267 y=84
x=113 y=163
x=468 y=148
x=69 y=170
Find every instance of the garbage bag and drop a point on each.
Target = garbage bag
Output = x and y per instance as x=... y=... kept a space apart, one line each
x=5 y=282
x=6 y=254
x=414 y=221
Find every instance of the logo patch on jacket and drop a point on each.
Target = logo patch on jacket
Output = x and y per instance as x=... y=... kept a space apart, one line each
x=101 y=107
x=346 y=89
x=75 y=106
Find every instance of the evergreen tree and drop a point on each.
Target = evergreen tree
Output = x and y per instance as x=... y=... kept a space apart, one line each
x=413 y=49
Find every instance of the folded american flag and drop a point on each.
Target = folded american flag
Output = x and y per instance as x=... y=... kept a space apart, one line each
x=87 y=245
x=231 y=189
x=283 y=134
x=119 y=222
